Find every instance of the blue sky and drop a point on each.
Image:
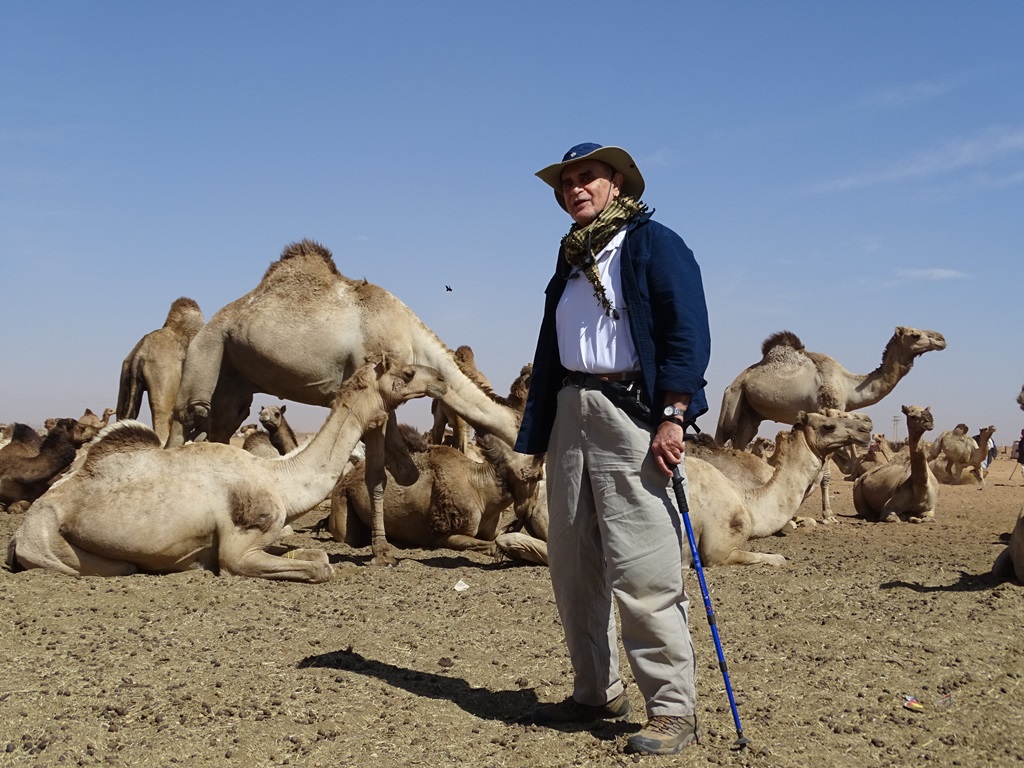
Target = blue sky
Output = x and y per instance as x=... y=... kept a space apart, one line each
x=838 y=170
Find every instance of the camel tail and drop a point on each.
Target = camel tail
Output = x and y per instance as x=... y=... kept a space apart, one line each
x=12 y=556
x=129 y=393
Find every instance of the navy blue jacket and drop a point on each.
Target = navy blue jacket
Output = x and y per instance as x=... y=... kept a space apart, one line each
x=668 y=320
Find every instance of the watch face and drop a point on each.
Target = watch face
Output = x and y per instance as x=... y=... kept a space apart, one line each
x=670 y=410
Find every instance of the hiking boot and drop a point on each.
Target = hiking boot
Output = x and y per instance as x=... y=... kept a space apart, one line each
x=571 y=711
x=663 y=735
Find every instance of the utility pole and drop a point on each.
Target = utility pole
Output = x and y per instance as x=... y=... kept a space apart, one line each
x=895 y=429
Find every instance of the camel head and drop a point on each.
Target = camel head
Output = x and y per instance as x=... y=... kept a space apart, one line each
x=87 y=427
x=919 y=420
x=914 y=342
x=271 y=415
x=394 y=382
x=831 y=429
x=1020 y=399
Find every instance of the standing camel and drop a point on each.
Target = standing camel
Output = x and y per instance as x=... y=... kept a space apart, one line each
x=154 y=366
x=297 y=335
x=897 y=490
x=789 y=379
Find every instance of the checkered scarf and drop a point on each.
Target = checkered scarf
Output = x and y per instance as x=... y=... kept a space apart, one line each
x=580 y=244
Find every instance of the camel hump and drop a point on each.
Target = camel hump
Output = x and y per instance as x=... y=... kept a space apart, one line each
x=782 y=339
x=308 y=252
x=122 y=436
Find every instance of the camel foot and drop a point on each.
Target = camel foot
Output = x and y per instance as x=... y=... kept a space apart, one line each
x=831 y=520
x=927 y=517
x=892 y=517
x=788 y=528
x=810 y=522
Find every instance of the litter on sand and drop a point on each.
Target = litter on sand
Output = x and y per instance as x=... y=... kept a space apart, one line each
x=461 y=586
x=909 y=702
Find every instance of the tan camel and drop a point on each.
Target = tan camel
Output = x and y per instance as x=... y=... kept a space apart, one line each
x=280 y=432
x=1010 y=562
x=789 y=379
x=89 y=425
x=956 y=451
x=6 y=433
x=444 y=417
x=154 y=366
x=901 y=489
x=25 y=476
x=725 y=513
x=297 y=336
x=134 y=506
x=456 y=503
x=257 y=442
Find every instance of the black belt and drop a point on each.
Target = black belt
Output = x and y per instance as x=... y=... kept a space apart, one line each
x=625 y=393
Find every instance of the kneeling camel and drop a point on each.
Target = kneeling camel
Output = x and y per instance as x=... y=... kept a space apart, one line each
x=135 y=506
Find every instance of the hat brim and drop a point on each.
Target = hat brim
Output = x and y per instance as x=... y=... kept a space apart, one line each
x=618 y=158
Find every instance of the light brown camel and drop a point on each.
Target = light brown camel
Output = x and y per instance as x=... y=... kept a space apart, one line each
x=257 y=442
x=1009 y=563
x=89 y=425
x=789 y=379
x=725 y=513
x=956 y=451
x=280 y=432
x=444 y=417
x=901 y=489
x=456 y=503
x=25 y=476
x=154 y=366
x=297 y=336
x=134 y=506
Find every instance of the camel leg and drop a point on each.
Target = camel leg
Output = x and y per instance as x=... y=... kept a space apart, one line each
x=376 y=480
x=395 y=454
x=465 y=543
x=521 y=546
x=827 y=515
x=242 y=554
x=39 y=546
x=742 y=557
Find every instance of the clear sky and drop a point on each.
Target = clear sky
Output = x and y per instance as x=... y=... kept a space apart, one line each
x=839 y=169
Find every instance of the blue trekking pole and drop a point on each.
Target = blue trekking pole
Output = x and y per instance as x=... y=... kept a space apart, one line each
x=684 y=508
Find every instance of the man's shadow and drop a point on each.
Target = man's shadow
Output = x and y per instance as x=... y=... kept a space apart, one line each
x=509 y=707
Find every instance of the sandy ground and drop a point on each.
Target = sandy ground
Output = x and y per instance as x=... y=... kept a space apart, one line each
x=398 y=667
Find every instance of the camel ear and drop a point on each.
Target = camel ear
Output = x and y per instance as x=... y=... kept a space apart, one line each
x=801 y=419
x=283 y=407
x=905 y=410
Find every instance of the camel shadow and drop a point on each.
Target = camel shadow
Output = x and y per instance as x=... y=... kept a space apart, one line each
x=512 y=707
x=446 y=562
x=968 y=582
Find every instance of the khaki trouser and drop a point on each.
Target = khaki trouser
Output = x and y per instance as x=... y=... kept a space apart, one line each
x=615 y=530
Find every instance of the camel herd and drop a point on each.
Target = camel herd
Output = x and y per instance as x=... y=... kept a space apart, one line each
x=114 y=499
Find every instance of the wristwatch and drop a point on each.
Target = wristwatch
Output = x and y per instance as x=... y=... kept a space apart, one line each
x=671 y=413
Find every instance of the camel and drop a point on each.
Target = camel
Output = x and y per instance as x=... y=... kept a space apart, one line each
x=726 y=511
x=1020 y=398
x=955 y=451
x=136 y=506
x=789 y=379
x=444 y=417
x=6 y=433
x=89 y=425
x=25 y=475
x=1009 y=563
x=854 y=464
x=280 y=432
x=297 y=336
x=257 y=442
x=456 y=503
x=154 y=366
x=23 y=440
x=901 y=490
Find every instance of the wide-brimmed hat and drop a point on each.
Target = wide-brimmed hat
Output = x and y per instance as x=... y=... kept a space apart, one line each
x=616 y=157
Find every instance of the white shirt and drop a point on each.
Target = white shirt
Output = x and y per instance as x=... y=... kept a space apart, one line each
x=588 y=339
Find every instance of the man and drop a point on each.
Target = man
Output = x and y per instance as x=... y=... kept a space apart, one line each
x=617 y=375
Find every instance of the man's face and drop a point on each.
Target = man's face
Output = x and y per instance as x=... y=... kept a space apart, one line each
x=587 y=188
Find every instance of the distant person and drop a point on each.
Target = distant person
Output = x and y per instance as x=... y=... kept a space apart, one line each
x=618 y=375
x=1020 y=453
